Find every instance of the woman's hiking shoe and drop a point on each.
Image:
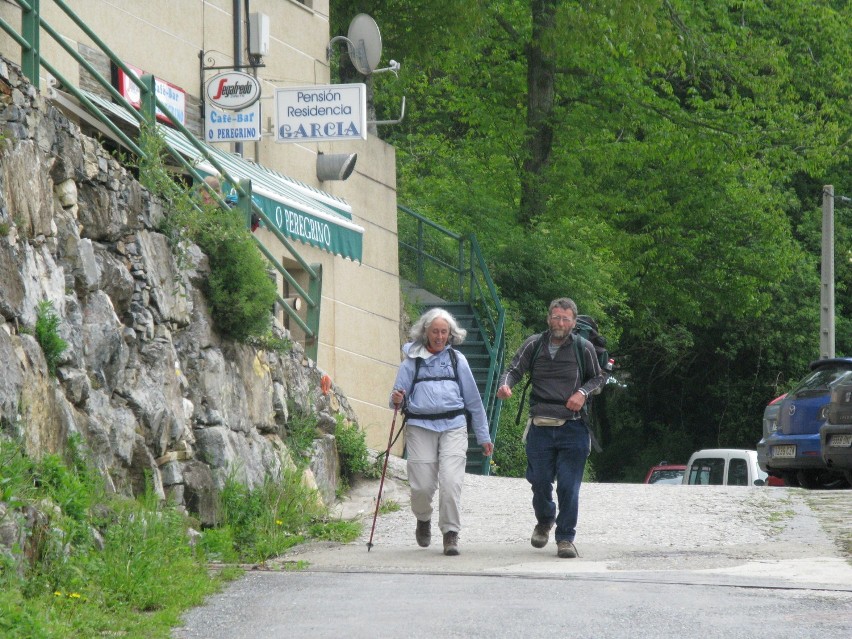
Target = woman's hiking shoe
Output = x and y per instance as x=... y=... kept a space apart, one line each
x=566 y=550
x=423 y=534
x=451 y=543
x=541 y=533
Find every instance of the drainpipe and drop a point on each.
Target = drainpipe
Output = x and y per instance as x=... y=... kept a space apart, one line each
x=238 y=52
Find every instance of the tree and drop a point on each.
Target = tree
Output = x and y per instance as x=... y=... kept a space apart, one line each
x=661 y=161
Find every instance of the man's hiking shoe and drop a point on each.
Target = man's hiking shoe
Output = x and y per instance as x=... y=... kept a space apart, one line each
x=541 y=533
x=566 y=550
x=423 y=534
x=451 y=543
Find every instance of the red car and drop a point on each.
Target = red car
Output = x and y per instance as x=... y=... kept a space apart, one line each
x=665 y=473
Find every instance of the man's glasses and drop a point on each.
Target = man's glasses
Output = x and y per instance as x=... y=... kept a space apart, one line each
x=561 y=320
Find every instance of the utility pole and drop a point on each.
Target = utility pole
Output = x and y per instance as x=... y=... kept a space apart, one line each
x=826 y=298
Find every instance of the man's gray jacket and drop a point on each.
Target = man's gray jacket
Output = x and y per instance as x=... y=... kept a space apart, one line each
x=555 y=379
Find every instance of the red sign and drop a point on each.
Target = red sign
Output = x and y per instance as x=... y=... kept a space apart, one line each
x=172 y=96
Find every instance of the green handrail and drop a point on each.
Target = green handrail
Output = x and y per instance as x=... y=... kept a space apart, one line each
x=452 y=266
x=29 y=40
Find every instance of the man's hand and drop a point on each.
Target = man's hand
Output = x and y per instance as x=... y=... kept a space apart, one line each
x=576 y=401
x=504 y=392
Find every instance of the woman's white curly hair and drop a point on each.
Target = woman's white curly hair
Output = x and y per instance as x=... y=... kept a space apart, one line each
x=418 y=331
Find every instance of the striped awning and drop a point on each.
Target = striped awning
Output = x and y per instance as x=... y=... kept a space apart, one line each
x=300 y=211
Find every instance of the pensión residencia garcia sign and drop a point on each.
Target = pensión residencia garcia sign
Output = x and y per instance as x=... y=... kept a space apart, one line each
x=322 y=113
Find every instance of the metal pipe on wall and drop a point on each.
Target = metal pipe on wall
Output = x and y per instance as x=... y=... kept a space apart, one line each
x=238 y=51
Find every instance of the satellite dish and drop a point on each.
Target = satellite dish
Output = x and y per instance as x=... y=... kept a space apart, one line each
x=365 y=43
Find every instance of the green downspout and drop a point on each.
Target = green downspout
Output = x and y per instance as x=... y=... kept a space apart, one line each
x=313 y=318
x=30 y=30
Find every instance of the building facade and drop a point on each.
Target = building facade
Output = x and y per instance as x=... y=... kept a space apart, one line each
x=184 y=43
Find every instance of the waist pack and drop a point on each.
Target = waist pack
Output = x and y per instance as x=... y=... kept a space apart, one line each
x=548 y=421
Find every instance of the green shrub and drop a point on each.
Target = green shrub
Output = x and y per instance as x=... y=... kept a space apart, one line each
x=47 y=335
x=239 y=289
x=352 y=450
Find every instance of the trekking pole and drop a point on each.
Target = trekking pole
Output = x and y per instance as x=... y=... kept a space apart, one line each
x=382 y=482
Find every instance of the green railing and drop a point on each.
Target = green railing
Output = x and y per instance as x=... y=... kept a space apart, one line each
x=452 y=267
x=29 y=38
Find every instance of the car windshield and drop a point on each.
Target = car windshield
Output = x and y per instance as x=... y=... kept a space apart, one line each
x=820 y=381
x=669 y=476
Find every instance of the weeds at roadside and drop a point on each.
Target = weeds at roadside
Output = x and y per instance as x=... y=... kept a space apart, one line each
x=388 y=506
x=97 y=564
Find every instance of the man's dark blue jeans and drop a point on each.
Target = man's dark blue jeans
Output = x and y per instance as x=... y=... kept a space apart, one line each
x=560 y=453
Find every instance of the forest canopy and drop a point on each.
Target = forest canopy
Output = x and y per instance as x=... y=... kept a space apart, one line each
x=662 y=162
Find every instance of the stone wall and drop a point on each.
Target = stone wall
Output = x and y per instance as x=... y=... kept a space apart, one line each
x=147 y=383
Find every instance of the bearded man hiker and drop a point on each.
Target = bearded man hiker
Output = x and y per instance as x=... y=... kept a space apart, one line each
x=558 y=439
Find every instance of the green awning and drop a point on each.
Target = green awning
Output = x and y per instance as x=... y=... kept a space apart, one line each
x=299 y=210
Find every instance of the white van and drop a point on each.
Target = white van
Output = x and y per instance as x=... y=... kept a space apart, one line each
x=723 y=467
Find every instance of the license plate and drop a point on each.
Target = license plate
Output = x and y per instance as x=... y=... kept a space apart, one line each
x=784 y=451
x=840 y=441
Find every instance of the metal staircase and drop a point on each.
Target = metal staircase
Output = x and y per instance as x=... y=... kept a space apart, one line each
x=451 y=268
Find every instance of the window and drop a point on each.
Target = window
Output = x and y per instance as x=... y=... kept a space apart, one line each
x=707 y=472
x=738 y=473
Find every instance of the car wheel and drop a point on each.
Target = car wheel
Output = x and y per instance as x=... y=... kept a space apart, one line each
x=834 y=482
x=808 y=479
x=790 y=480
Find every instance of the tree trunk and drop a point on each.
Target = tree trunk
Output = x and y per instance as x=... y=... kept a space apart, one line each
x=541 y=73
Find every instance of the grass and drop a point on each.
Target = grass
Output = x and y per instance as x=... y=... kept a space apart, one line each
x=388 y=506
x=95 y=564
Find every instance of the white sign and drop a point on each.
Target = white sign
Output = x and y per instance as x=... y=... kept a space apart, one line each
x=321 y=113
x=233 y=90
x=232 y=126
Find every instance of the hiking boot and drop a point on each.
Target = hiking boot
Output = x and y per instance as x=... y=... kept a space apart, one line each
x=541 y=533
x=566 y=550
x=423 y=534
x=451 y=543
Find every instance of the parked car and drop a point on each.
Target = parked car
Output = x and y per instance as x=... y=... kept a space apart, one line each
x=836 y=434
x=724 y=467
x=665 y=473
x=790 y=447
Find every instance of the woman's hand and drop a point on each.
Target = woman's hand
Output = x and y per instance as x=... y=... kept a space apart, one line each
x=397 y=396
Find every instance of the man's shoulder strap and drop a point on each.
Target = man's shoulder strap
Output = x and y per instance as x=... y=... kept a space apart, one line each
x=579 y=353
x=536 y=350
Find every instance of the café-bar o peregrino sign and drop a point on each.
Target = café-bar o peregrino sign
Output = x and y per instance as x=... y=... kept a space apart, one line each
x=321 y=113
x=233 y=108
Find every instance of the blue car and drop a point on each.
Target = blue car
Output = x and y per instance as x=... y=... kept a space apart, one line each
x=790 y=448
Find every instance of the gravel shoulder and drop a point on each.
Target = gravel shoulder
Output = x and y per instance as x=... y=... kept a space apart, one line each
x=707 y=534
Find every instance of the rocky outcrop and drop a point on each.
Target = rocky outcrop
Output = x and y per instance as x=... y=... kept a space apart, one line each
x=146 y=382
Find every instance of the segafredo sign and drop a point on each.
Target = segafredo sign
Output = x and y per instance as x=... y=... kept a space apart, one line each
x=321 y=113
x=232 y=90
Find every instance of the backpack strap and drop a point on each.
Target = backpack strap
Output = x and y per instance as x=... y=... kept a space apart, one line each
x=445 y=415
x=536 y=351
x=581 y=363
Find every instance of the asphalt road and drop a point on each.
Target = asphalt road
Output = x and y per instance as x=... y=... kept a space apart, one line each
x=656 y=561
